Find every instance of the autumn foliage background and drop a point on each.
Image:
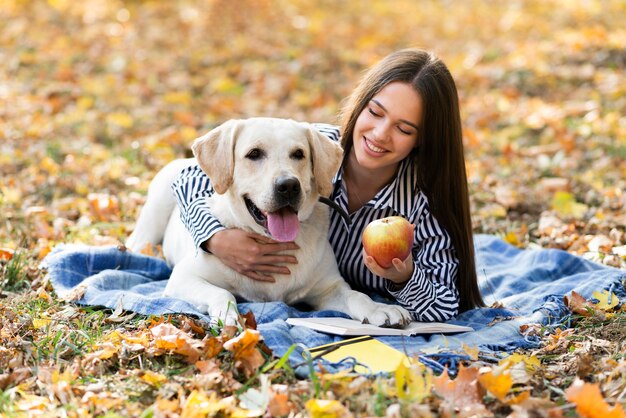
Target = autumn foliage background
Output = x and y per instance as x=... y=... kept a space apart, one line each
x=96 y=96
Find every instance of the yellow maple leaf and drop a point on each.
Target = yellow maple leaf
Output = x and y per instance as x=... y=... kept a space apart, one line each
x=198 y=404
x=471 y=351
x=531 y=362
x=413 y=382
x=41 y=322
x=606 y=300
x=322 y=408
x=565 y=204
x=511 y=238
x=498 y=385
x=152 y=378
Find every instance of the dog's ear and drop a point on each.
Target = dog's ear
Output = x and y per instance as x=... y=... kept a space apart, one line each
x=326 y=155
x=215 y=152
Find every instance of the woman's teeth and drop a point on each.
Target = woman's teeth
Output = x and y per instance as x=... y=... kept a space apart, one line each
x=373 y=147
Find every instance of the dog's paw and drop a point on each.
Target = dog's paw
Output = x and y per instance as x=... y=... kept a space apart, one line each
x=389 y=316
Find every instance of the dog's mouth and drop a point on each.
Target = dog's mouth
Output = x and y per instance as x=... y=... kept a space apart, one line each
x=283 y=224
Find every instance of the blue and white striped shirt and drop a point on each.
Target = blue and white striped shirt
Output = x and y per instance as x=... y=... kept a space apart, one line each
x=430 y=294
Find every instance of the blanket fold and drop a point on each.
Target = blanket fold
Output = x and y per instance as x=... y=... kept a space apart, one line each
x=528 y=284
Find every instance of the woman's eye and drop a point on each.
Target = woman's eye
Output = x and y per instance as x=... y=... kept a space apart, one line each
x=255 y=154
x=405 y=132
x=373 y=113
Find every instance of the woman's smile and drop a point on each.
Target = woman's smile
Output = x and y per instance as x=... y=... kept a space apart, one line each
x=371 y=146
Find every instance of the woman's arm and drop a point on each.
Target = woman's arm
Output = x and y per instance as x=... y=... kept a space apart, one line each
x=248 y=253
x=191 y=188
x=430 y=294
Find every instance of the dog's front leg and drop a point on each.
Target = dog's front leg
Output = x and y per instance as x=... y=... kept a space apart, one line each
x=361 y=307
x=190 y=282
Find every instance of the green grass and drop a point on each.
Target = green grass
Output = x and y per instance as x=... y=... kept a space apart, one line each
x=13 y=274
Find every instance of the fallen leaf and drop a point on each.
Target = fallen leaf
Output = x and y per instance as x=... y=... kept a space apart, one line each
x=498 y=385
x=152 y=378
x=463 y=395
x=279 y=405
x=6 y=254
x=168 y=337
x=256 y=400
x=247 y=356
x=413 y=382
x=579 y=305
x=531 y=362
x=471 y=351
x=198 y=404
x=565 y=204
x=321 y=408
x=589 y=401
x=606 y=300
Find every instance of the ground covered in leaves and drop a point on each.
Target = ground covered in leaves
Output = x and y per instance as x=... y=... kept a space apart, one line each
x=97 y=96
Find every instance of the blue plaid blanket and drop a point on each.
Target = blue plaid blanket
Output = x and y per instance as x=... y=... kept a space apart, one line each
x=529 y=285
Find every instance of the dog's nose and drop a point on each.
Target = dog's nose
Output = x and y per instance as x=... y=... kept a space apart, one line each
x=288 y=189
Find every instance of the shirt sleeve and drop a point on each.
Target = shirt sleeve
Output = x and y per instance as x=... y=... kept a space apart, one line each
x=431 y=293
x=192 y=187
x=331 y=131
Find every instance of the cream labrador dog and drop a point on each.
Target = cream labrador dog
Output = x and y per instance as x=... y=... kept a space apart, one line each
x=268 y=175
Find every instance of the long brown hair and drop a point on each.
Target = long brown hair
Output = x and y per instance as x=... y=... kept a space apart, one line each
x=439 y=158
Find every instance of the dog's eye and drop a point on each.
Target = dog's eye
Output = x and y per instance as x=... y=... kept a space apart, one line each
x=297 y=154
x=255 y=154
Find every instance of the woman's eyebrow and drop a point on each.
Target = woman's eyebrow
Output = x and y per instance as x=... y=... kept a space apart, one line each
x=379 y=104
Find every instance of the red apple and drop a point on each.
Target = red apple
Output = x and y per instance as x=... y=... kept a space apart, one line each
x=388 y=238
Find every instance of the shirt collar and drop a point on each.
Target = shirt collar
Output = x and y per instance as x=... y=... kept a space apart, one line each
x=397 y=195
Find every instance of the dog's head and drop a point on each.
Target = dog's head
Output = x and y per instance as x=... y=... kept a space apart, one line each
x=277 y=168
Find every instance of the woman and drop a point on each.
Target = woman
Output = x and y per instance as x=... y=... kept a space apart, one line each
x=403 y=155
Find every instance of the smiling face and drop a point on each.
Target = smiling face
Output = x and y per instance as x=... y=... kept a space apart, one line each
x=386 y=131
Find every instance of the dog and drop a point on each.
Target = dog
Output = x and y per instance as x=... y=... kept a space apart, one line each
x=268 y=175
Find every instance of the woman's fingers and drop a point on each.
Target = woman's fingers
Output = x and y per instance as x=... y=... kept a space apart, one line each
x=259 y=277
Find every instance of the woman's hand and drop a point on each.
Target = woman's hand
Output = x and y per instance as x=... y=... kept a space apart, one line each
x=400 y=271
x=253 y=255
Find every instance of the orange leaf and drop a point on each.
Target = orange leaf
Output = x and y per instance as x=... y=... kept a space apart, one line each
x=212 y=347
x=248 y=358
x=279 y=405
x=578 y=304
x=462 y=394
x=589 y=401
x=6 y=254
x=171 y=338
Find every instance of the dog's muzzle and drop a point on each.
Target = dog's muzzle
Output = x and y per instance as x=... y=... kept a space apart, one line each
x=282 y=223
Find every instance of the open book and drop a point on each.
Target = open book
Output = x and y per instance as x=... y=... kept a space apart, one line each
x=344 y=326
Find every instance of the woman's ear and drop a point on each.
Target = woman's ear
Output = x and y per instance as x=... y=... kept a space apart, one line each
x=215 y=151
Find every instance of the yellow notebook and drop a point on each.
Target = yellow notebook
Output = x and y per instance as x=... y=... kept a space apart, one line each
x=376 y=356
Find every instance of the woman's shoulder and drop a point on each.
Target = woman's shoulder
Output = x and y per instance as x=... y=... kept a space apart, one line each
x=331 y=131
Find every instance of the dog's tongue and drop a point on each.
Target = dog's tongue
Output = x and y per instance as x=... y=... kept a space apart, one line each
x=283 y=225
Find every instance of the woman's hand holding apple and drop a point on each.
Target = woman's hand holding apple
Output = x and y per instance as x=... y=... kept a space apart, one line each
x=400 y=271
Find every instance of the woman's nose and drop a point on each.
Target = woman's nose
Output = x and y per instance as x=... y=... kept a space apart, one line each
x=381 y=131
